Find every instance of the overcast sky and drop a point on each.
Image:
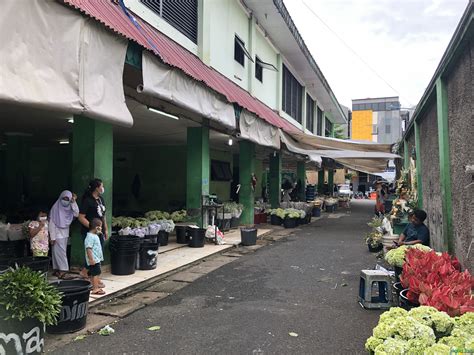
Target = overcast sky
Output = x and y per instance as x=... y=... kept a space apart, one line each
x=402 y=40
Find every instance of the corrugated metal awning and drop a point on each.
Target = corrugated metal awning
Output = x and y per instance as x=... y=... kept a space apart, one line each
x=110 y=14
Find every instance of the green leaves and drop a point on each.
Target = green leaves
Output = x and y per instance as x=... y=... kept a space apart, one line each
x=154 y=328
x=26 y=294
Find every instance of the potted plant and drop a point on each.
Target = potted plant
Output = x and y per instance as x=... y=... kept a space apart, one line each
x=436 y=280
x=291 y=218
x=276 y=216
x=248 y=235
x=27 y=304
x=374 y=241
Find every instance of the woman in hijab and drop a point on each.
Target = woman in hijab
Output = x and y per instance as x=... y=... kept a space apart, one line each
x=60 y=218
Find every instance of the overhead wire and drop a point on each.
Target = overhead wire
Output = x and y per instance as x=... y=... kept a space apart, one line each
x=353 y=51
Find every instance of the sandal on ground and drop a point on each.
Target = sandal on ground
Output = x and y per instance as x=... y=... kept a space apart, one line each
x=98 y=292
x=66 y=276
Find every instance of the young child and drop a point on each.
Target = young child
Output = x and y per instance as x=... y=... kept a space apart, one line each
x=94 y=255
x=39 y=236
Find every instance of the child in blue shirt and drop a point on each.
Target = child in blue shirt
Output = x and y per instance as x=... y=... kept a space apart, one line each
x=94 y=255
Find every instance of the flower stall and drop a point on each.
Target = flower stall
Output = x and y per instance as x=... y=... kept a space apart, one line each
x=422 y=330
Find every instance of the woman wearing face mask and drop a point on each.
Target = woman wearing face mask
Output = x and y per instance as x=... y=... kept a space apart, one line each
x=61 y=216
x=92 y=206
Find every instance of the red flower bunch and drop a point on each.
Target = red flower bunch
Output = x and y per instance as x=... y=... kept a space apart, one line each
x=436 y=280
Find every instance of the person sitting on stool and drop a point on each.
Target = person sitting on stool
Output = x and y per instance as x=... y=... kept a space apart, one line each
x=416 y=231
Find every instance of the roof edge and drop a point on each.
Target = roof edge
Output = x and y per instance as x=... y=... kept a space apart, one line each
x=299 y=39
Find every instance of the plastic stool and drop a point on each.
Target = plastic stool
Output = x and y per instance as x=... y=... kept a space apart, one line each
x=383 y=296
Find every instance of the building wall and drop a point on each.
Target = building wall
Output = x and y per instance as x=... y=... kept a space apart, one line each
x=227 y=19
x=266 y=91
x=362 y=125
x=461 y=134
x=430 y=178
x=221 y=188
x=162 y=174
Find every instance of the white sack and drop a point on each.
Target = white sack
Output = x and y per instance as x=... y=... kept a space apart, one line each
x=170 y=84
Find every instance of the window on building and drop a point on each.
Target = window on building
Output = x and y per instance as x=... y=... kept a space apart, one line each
x=182 y=15
x=388 y=129
x=258 y=70
x=240 y=52
x=319 y=128
x=375 y=129
x=310 y=113
x=327 y=127
x=220 y=171
x=292 y=95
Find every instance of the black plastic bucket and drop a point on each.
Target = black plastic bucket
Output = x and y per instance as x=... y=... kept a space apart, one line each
x=196 y=237
x=398 y=272
x=75 y=304
x=330 y=208
x=182 y=235
x=275 y=220
x=123 y=254
x=30 y=334
x=405 y=303
x=248 y=236
x=163 y=238
x=375 y=249
x=152 y=238
x=316 y=212
x=35 y=263
x=12 y=248
x=234 y=222
x=290 y=222
x=147 y=256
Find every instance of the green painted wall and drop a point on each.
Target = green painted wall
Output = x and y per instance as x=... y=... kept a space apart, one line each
x=92 y=157
x=275 y=180
x=221 y=188
x=161 y=172
x=198 y=166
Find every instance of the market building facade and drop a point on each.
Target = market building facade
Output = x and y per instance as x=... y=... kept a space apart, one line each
x=152 y=99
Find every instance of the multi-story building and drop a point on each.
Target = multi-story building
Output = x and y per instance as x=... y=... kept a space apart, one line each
x=377 y=120
x=166 y=101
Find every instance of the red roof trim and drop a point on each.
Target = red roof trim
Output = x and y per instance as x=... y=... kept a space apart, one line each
x=111 y=15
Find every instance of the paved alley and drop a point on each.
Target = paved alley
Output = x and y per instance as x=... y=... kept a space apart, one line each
x=305 y=284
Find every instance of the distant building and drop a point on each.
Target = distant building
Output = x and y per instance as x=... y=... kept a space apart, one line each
x=377 y=120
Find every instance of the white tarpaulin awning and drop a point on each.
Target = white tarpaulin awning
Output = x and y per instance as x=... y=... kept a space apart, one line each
x=257 y=130
x=318 y=142
x=170 y=84
x=364 y=156
x=354 y=154
x=55 y=58
x=295 y=147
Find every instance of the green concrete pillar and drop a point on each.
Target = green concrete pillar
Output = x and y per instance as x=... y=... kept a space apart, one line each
x=17 y=174
x=444 y=163
x=247 y=167
x=321 y=181
x=301 y=176
x=275 y=179
x=418 y=165
x=406 y=155
x=331 y=181
x=197 y=168
x=92 y=157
